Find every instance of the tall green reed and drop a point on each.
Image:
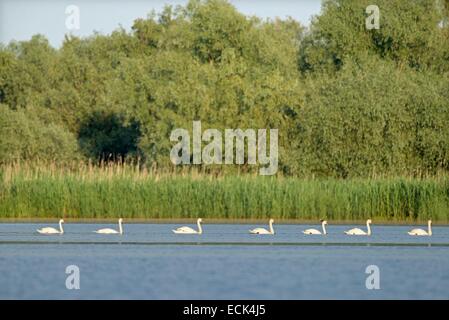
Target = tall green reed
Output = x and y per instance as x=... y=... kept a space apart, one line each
x=126 y=190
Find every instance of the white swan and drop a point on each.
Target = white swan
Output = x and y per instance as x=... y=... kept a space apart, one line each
x=188 y=230
x=112 y=231
x=360 y=232
x=315 y=231
x=421 y=232
x=263 y=230
x=50 y=230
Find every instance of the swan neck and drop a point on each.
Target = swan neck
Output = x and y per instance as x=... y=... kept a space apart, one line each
x=429 y=228
x=200 y=230
x=271 y=227
x=60 y=227
x=323 y=225
x=120 y=227
x=369 y=228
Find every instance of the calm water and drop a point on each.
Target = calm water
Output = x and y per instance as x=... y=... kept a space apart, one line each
x=150 y=262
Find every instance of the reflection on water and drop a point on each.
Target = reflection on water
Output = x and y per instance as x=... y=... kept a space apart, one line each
x=226 y=262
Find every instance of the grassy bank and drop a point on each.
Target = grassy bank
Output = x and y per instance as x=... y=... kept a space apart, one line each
x=88 y=192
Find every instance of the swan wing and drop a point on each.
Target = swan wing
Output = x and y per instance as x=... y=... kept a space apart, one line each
x=187 y=230
x=418 y=232
x=106 y=231
x=311 y=231
x=259 y=231
x=356 y=232
x=48 y=230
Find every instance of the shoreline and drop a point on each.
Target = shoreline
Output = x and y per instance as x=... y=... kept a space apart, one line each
x=215 y=221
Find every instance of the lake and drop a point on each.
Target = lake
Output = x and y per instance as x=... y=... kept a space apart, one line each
x=225 y=262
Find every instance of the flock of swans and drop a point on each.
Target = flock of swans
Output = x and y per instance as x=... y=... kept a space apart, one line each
x=270 y=230
x=51 y=230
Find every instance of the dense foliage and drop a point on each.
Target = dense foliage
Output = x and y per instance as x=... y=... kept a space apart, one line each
x=348 y=102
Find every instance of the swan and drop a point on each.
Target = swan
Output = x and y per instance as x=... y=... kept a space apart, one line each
x=263 y=230
x=421 y=232
x=112 y=231
x=188 y=230
x=50 y=230
x=315 y=231
x=360 y=232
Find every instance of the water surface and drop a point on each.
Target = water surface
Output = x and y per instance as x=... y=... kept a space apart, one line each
x=150 y=262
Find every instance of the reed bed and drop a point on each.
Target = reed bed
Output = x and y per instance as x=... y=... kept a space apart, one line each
x=85 y=191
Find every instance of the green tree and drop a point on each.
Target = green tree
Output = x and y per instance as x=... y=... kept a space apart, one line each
x=410 y=35
x=24 y=137
x=373 y=118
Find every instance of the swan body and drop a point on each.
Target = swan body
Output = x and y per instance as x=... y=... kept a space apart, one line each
x=421 y=232
x=188 y=230
x=263 y=230
x=51 y=230
x=112 y=231
x=360 y=232
x=315 y=231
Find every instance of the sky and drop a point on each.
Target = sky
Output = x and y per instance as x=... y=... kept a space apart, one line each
x=20 y=19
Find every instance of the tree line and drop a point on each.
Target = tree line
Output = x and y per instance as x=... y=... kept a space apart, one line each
x=348 y=101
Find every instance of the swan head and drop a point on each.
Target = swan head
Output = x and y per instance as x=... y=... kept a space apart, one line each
x=429 y=222
x=369 y=221
x=120 y=220
x=61 y=221
x=200 y=220
x=324 y=221
x=271 y=220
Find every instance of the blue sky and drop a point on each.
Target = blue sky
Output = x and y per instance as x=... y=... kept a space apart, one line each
x=20 y=19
